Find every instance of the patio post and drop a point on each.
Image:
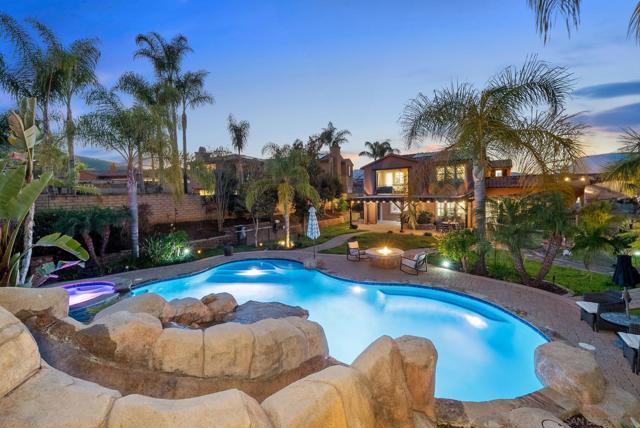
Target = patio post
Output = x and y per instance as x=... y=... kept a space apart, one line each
x=350 y=212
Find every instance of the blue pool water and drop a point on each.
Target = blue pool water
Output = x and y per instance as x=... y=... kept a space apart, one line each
x=484 y=353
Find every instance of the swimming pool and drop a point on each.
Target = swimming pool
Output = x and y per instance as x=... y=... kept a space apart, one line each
x=484 y=353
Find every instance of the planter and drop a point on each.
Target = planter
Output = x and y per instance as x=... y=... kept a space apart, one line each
x=228 y=250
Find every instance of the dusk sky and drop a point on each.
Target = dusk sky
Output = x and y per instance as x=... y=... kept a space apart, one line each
x=289 y=67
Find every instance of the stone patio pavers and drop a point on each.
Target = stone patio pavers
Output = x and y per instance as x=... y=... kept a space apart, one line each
x=557 y=316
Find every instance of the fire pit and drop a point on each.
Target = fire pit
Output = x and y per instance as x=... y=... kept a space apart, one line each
x=385 y=257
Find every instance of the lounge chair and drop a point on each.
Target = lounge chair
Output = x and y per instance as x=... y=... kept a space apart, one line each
x=594 y=304
x=354 y=253
x=415 y=264
x=631 y=347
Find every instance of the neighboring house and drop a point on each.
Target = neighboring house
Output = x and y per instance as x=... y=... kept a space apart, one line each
x=111 y=181
x=251 y=167
x=438 y=185
x=358 y=182
x=334 y=164
x=595 y=167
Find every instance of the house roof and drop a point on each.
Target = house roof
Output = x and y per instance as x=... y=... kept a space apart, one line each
x=597 y=164
x=392 y=155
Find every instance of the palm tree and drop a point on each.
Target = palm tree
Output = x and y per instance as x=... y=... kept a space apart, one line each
x=191 y=92
x=518 y=115
x=626 y=173
x=285 y=171
x=166 y=58
x=239 y=132
x=546 y=11
x=378 y=150
x=120 y=129
x=332 y=137
x=78 y=64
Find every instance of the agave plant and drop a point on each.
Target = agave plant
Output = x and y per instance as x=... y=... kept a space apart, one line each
x=16 y=198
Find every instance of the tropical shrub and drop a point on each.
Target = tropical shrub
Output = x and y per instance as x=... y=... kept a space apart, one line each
x=166 y=248
x=425 y=217
x=16 y=198
x=459 y=245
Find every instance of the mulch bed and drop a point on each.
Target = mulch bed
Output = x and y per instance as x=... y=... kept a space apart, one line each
x=551 y=288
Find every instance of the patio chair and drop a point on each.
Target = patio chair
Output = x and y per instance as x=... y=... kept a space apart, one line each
x=594 y=304
x=631 y=347
x=354 y=253
x=415 y=264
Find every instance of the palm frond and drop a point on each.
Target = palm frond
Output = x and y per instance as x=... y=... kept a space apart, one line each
x=546 y=10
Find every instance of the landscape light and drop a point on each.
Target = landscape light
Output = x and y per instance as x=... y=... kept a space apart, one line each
x=186 y=251
x=446 y=264
x=636 y=253
x=567 y=179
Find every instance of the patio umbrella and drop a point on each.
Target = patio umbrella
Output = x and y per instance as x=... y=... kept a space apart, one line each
x=313 y=228
x=625 y=276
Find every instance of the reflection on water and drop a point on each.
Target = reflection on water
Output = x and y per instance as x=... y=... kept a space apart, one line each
x=483 y=352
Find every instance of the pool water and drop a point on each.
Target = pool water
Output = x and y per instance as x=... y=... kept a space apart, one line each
x=484 y=353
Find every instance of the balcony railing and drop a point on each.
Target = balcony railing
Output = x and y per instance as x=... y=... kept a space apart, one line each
x=392 y=190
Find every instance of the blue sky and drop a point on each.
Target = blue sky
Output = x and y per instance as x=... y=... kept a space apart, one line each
x=288 y=67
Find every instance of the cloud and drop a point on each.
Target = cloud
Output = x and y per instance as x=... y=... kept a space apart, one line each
x=616 y=118
x=609 y=90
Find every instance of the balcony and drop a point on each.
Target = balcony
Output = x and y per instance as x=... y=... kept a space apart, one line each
x=506 y=181
x=392 y=190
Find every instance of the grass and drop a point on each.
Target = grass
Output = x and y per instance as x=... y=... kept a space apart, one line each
x=326 y=233
x=578 y=281
x=396 y=240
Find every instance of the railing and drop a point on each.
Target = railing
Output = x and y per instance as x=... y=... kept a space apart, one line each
x=507 y=181
x=392 y=190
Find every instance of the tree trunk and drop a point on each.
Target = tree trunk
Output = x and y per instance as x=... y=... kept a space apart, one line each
x=480 y=201
x=550 y=255
x=132 y=191
x=257 y=222
x=287 y=238
x=518 y=264
x=184 y=152
x=71 y=162
x=240 y=169
x=140 y=174
x=106 y=233
x=27 y=240
x=86 y=237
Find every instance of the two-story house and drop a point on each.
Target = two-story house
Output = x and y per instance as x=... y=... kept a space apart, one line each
x=334 y=164
x=436 y=184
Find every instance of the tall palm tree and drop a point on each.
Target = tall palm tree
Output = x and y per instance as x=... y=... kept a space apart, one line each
x=120 y=129
x=378 y=149
x=78 y=64
x=191 y=92
x=156 y=98
x=332 y=137
x=546 y=11
x=239 y=132
x=166 y=58
x=285 y=171
x=518 y=115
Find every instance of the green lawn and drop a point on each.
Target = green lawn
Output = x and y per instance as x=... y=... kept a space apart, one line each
x=396 y=240
x=326 y=233
x=576 y=280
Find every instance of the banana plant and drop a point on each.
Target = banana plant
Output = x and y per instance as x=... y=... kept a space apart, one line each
x=16 y=199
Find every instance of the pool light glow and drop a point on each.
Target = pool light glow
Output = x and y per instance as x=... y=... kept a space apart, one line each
x=252 y=272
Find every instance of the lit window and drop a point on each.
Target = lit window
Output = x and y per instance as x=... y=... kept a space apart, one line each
x=440 y=173
x=460 y=172
x=395 y=179
x=498 y=173
x=440 y=209
x=394 y=209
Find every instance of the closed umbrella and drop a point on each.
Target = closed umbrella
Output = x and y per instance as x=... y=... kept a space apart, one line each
x=313 y=228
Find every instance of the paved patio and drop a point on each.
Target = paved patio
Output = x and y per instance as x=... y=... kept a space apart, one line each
x=557 y=316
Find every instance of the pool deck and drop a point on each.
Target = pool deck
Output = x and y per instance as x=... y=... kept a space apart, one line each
x=557 y=316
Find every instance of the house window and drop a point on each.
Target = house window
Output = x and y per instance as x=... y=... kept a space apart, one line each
x=393 y=181
x=394 y=209
x=444 y=173
x=451 y=210
x=498 y=173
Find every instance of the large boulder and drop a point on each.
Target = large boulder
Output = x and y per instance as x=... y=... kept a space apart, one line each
x=253 y=311
x=19 y=355
x=616 y=409
x=53 y=399
x=220 y=305
x=382 y=366
x=571 y=371
x=317 y=345
x=228 y=350
x=335 y=397
x=227 y=409
x=124 y=336
x=188 y=311
x=526 y=417
x=148 y=303
x=26 y=302
x=179 y=350
x=419 y=358
x=278 y=346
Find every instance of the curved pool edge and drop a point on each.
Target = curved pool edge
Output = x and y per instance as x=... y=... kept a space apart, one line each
x=429 y=286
